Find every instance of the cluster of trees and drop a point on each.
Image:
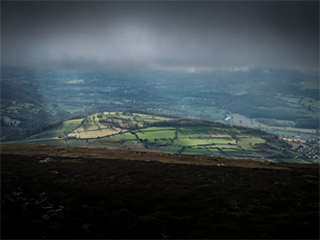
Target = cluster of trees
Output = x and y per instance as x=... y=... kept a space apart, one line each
x=274 y=114
x=307 y=123
x=52 y=124
x=273 y=122
x=187 y=122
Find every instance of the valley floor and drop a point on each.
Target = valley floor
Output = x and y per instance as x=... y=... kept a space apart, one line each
x=47 y=195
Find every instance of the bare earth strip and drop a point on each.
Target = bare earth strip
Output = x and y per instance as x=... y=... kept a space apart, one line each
x=73 y=152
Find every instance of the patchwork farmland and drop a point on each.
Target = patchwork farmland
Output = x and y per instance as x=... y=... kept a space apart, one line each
x=204 y=140
x=165 y=134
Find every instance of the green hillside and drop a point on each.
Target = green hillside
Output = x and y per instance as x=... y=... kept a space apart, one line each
x=178 y=136
x=204 y=140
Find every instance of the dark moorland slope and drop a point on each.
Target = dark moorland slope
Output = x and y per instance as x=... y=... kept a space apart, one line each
x=61 y=192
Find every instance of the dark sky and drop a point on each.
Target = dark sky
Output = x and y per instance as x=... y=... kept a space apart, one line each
x=173 y=35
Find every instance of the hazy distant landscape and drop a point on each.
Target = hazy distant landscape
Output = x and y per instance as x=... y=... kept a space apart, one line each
x=273 y=100
x=282 y=102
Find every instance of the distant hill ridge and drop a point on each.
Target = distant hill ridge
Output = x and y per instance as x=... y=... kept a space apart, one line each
x=22 y=113
x=15 y=93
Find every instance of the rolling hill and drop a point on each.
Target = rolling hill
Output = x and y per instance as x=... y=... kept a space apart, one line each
x=182 y=136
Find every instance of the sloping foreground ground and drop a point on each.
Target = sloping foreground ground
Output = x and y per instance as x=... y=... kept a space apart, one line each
x=114 y=144
x=54 y=192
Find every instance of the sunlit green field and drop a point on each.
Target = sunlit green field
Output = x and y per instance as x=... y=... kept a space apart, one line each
x=161 y=135
x=127 y=135
x=248 y=143
x=198 y=151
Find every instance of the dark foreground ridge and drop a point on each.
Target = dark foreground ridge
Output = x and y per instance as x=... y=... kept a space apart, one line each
x=55 y=192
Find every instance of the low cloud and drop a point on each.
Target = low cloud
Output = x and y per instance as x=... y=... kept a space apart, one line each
x=174 y=36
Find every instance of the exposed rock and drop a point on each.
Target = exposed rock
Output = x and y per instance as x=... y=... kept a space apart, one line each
x=45 y=217
x=47 y=160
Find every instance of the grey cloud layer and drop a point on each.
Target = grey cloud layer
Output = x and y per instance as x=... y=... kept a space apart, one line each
x=165 y=35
